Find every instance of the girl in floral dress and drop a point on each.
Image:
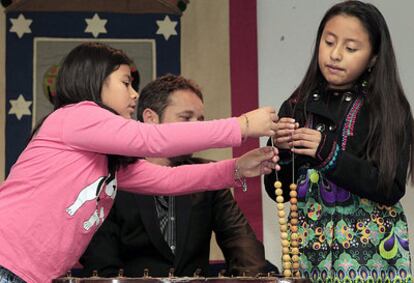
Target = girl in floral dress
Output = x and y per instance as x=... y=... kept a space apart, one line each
x=346 y=137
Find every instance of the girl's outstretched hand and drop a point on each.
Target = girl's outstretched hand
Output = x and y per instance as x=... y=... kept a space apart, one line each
x=258 y=161
x=258 y=123
x=285 y=129
x=305 y=141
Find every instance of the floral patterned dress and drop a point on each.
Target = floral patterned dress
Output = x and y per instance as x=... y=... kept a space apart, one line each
x=345 y=238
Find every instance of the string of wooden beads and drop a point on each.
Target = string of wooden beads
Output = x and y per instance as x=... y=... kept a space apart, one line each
x=290 y=247
x=294 y=236
x=286 y=260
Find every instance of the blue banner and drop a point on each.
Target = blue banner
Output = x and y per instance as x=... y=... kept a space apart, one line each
x=36 y=42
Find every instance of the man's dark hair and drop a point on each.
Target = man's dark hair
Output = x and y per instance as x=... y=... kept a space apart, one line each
x=156 y=94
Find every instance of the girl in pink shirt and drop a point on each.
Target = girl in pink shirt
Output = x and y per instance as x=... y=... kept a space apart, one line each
x=63 y=184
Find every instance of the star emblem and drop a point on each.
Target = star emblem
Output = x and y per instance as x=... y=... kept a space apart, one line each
x=20 y=107
x=96 y=25
x=166 y=27
x=21 y=25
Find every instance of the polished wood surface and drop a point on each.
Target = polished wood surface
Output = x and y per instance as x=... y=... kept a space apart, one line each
x=181 y=279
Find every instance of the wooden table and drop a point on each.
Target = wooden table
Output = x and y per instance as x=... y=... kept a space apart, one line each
x=182 y=280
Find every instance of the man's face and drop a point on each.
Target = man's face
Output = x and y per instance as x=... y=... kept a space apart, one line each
x=184 y=106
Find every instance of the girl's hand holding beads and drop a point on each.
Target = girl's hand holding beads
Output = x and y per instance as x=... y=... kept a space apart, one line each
x=285 y=128
x=305 y=141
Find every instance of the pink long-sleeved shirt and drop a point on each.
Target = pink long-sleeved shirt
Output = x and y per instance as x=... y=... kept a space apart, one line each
x=59 y=191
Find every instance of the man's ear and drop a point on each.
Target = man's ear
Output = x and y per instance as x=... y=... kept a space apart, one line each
x=149 y=116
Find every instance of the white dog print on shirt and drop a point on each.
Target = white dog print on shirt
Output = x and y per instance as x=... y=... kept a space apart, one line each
x=87 y=194
x=94 y=219
x=91 y=192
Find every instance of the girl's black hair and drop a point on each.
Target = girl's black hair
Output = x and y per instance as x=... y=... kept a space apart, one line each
x=81 y=77
x=391 y=122
x=84 y=71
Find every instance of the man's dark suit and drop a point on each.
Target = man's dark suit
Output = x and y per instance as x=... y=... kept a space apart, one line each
x=131 y=238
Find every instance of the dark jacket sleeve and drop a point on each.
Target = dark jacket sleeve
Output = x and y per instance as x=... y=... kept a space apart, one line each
x=352 y=171
x=361 y=177
x=349 y=168
x=103 y=252
x=241 y=249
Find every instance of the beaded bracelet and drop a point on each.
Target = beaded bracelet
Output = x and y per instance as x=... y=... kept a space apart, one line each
x=240 y=178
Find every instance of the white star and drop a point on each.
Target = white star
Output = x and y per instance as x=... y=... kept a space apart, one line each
x=96 y=25
x=21 y=25
x=166 y=27
x=20 y=107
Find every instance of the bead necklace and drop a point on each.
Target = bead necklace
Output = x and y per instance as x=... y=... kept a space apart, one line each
x=290 y=247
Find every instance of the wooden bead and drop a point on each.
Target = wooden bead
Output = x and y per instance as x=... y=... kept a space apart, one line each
x=294 y=207
x=282 y=221
x=295 y=251
x=295 y=265
x=283 y=228
x=294 y=214
x=279 y=192
x=294 y=236
x=280 y=206
x=286 y=257
x=293 y=200
x=281 y=213
x=277 y=184
x=293 y=221
x=293 y=194
x=292 y=186
x=284 y=235
x=287 y=264
x=279 y=199
x=285 y=250
x=294 y=229
x=287 y=273
x=295 y=258
x=294 y=244
x=285 y=244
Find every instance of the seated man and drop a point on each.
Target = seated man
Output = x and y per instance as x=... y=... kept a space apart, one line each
x=160 y=233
